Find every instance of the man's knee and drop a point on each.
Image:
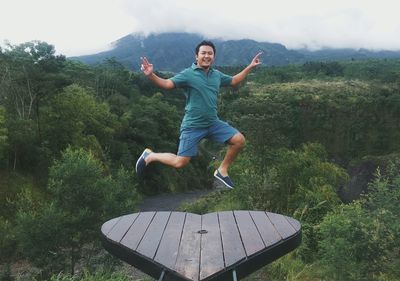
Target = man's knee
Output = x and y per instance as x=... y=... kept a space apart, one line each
x=238 y=140
x=181 y=161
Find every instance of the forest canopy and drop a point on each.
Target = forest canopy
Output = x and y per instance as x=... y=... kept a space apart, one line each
x=322 y=146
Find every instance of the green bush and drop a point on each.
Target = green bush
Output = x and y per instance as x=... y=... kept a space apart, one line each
x=361 y=241
x=298 y=182
x=53 y=234
x=7 y=240
x=43 y=237
x=5 y=273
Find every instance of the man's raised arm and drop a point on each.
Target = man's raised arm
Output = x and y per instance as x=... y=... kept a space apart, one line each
x=148 y=70
x=241 y=75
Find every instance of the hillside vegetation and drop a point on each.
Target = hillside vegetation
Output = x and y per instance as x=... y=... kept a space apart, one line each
x=173 y=51
x=323 y=146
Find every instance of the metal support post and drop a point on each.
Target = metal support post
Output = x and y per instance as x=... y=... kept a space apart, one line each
x=234 y=275
x=162 y=275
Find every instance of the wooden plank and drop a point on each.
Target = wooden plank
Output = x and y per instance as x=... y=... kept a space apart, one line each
x=295 y=223
x=252 y=240
x=265 y=227
x=211 y=254
x=137 y=230
x=231 y=241
x=284 y=228
x=151 y=239
x=168 y=250
x=188 y=259
x=121 y=227
x=108 y=225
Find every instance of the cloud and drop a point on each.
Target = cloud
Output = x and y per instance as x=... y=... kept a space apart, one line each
x=73 y=26
x=77 y=27
x=308 y=23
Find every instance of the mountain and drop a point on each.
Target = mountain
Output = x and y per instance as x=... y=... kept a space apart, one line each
x=175 y=51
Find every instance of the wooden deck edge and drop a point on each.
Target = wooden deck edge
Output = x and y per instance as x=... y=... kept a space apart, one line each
x=269 y=255
x=139 y=261
x=259 y=260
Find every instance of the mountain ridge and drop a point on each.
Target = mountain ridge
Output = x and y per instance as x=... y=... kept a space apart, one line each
x=174 y=51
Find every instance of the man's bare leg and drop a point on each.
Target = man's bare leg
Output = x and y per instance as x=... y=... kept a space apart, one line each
x=235 y=145
x=169 y=159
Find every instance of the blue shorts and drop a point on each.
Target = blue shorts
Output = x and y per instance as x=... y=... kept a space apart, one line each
x=220 y=132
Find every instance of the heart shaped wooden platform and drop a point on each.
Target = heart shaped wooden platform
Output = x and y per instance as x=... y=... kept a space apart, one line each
x=185 y=246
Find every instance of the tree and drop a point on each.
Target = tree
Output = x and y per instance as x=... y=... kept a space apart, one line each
x=54 y=234
x=23 y=143
x=112 y=78
x=76 y=118
x=43 y=238
x=3 y=135
x=30 y=72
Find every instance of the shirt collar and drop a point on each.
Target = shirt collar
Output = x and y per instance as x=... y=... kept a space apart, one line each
x=196 y=67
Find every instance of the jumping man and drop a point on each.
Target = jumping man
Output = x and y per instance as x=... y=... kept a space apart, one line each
x=201 y=83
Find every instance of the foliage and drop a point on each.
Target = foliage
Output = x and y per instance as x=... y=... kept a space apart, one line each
x=154 y=123
x=7 y=240
x=346 y=117
x=82 y=198
x=376 y=70
x=360 y=241
x=42 y=236
x=23 y=140
x=213 y=202
x=290 y=268
x=31 y=72
x=98 y=276
x=3 y=135
x=357 y=241
x=121 y=194
x=5 y=273
x=74 y=117
x=310 y=182
x=11 y=186
x=298 y=182
x=70 y=135
x=325 y=68
x=112 y=78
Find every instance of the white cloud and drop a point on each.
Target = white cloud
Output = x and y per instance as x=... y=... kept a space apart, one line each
x=73 y=26
x=84 y=26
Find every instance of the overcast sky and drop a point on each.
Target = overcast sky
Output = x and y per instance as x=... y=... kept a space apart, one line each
x=77 y=27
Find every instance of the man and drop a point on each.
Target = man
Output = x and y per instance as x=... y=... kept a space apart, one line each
x=201 y=83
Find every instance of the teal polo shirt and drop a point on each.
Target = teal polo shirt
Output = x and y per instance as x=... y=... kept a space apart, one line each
x=201 y=91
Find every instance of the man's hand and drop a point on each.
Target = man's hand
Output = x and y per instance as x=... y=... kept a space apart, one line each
x=236 y=79
x=146 y=67
x=256 y=61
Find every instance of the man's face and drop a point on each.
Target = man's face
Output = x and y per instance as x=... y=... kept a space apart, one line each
x=205 y=57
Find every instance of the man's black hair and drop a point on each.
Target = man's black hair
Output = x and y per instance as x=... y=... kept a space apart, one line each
x=205 y=43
